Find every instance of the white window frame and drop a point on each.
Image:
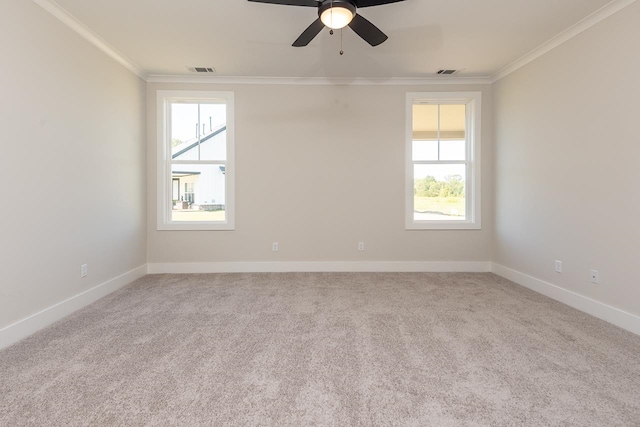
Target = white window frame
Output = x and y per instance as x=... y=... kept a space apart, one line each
x=473 y=101
x=164 y=161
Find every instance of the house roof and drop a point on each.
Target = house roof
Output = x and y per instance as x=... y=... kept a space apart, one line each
x=193 y=143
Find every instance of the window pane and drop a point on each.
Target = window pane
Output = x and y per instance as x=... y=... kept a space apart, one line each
x=439 y=192
x=198 y=192
x=425 y=122
x=425 y=150
x=452 y=150
x=452 y=121
x=213 y=135
x=452 y=132
x=200 y=136
x=184 y=123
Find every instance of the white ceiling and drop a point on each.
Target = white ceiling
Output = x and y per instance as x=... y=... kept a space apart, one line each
x=242 y=38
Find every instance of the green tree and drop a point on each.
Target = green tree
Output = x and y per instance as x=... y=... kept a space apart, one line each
x=429 y=186
x=455 y=185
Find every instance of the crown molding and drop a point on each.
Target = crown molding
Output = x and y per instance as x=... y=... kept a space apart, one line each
x=588 y=22
x=85 y=32
x=338 y=81
x=73 y=23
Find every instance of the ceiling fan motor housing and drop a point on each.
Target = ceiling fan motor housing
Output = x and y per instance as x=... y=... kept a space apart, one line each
x=328 y=4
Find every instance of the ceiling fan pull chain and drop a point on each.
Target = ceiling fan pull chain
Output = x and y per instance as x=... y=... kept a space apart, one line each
x=341 y=40
x=331 y=12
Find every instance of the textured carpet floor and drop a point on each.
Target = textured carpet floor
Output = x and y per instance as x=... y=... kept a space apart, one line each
x=338 y=349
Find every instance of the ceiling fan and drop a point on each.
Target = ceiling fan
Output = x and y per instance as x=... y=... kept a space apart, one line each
x=337 y=14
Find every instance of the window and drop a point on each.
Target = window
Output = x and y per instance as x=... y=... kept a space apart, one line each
x=443 y=160
x=195 y=160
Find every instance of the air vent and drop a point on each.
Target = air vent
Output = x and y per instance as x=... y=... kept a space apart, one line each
x=201 y=69
x=447 y=72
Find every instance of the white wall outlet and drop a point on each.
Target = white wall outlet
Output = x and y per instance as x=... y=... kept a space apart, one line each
x=275 y=247
x=594 y=277
x=558 y=266
x=84 y=270
x=361 y=246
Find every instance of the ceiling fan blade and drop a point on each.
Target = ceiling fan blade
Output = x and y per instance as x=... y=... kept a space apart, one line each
x=367 y=3
x=369 y=32
x=309 y=34
x=308 y=3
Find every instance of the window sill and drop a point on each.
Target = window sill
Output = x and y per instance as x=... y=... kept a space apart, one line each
x=442 y=225
x=196 y=227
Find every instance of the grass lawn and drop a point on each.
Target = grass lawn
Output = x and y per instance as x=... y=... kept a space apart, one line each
x=446 y=205
x=189 y=215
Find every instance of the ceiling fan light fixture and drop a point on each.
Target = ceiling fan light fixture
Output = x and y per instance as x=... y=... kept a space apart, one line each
x=338 y=16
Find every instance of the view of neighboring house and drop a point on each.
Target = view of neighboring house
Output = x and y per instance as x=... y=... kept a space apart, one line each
x=200 y=186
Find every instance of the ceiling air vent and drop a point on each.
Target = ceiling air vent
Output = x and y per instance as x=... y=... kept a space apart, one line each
x=447 y=72
x=202 y=69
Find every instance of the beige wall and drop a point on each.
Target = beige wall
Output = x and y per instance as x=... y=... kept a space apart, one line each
x=319 y=168
x=567 y=185
x=72 y=161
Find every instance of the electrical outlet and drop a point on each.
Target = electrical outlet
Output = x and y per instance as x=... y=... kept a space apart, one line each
x=594 y=277
x=361 y=246
x=558 y=266
x=275 y=247
x=83 y=270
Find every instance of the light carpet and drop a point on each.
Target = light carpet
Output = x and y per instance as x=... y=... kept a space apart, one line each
x=329 y=349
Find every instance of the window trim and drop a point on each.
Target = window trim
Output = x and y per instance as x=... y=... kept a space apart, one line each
x=473 y=186
x=163 y=163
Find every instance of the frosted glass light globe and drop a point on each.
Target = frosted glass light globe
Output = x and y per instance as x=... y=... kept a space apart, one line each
x=336 y=17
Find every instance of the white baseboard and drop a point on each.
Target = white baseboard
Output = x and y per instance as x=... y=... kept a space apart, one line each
x=598 y=309
x=23 y=328
x=320 y=266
